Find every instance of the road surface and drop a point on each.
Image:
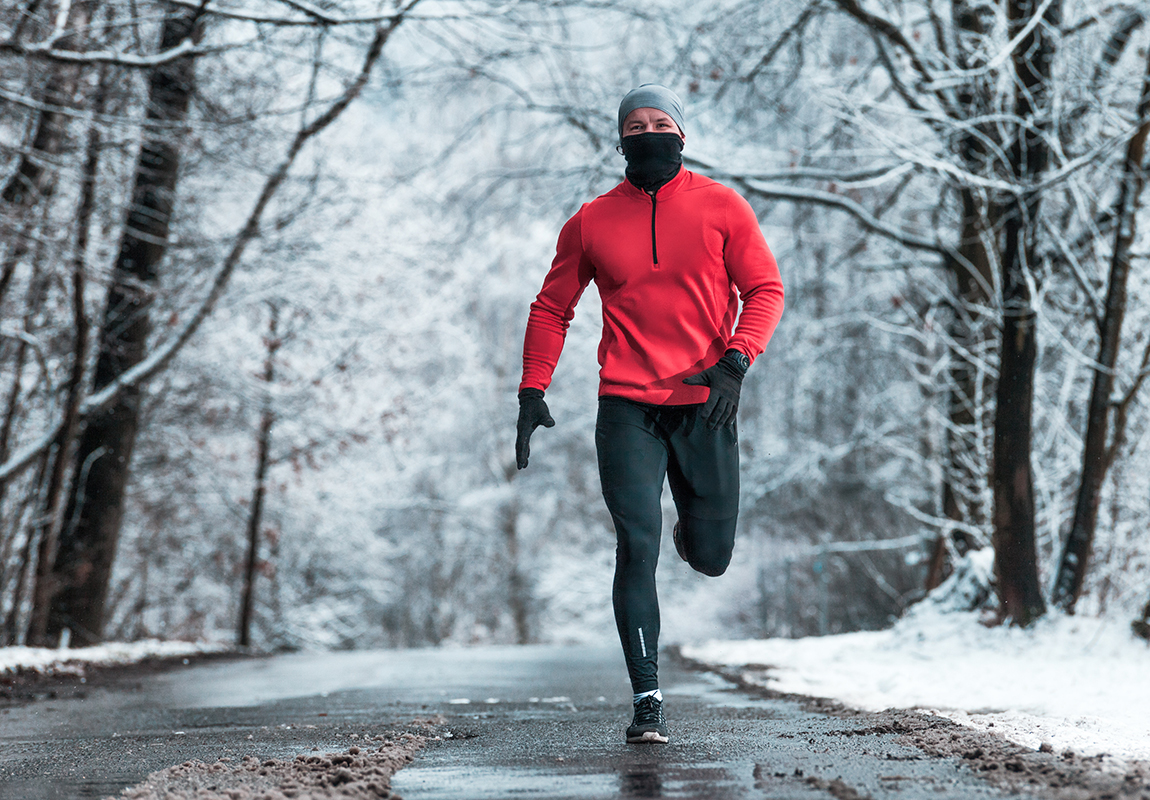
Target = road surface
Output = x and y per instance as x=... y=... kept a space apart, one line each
x=503 y=722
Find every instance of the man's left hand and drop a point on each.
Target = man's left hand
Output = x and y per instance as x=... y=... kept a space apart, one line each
x=726 y=382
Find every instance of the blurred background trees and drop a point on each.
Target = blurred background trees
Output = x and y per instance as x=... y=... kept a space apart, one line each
x=342 y=228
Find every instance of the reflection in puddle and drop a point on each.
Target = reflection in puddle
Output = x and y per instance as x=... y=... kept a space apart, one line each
x=476 y=783
x=640 y=781
x=56 y=789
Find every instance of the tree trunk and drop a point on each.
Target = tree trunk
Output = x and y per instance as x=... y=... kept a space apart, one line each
x=1076 y=552
x=964 y=474
x=87 y=547
x=12 y=407
x=1141 y=626
x=18 y=248
x=35 y=299
x=255 y=518
x=12 y=619
x=1016 y=560
x=1016 y=555
x=32 y=176
x=38 y=290
x=517 y=594
x=65 y=445
x=33 y=181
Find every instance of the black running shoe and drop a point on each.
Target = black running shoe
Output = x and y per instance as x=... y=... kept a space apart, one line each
x=649 y=724
x=679 y=542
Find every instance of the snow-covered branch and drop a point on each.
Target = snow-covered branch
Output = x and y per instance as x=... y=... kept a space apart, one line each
x=871 y=546
x=49 y=50
x=315 y=17
x=860 y=178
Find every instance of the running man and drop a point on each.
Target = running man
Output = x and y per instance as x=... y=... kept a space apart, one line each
x=671 y=253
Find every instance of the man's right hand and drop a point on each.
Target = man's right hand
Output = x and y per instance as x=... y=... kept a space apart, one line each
x=532 y=413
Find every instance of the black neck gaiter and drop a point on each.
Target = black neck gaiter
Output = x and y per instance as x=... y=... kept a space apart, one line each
x=653 y=159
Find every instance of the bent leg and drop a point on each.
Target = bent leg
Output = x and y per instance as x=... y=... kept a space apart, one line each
x=632 y=463
x=707 y=543
x=703 y=470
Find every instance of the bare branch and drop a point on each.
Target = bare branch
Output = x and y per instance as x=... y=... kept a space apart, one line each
x=795 y=27
x=829 y=199
x=954 y=77
x=1115 y=46
x=1122 y=408
x=316 y=19
x=896 y=81
x=1095 y=303
x=1093 y=19
x=1070 y=167
x=163 y=355
x=891 y=33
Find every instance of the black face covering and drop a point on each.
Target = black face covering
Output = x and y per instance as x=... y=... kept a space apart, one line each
x=652 y=159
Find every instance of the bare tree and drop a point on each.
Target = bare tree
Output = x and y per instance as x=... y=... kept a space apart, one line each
x=1098 y=451
x=63 y=450
x=272 y=343
x=76 y=589
x=33 y=182
x=78 y=584
x=995 y=179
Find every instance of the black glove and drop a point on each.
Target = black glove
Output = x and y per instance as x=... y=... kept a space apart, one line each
x=532 y=413
x=726 y=382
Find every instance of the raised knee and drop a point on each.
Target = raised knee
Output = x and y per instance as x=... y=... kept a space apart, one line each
x=710 y=568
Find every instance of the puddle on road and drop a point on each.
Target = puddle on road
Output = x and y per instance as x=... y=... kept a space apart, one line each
x=716 y=691
x=67 y=790
x=713 y=781
x=451 y=783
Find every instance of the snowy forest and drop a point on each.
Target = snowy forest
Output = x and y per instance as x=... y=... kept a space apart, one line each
x=266 y=267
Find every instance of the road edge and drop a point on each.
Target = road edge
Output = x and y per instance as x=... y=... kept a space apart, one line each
x=1057 y=776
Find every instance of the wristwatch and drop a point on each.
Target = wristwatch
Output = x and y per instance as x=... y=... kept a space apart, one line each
x=740 y=358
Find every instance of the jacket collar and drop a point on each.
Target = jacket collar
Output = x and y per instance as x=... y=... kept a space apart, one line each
x=664 y=191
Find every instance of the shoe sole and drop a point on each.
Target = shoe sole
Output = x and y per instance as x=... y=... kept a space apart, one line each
x=649 y=737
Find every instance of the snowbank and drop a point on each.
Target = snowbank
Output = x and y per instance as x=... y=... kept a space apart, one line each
x=50 y=661
x=1075 y=683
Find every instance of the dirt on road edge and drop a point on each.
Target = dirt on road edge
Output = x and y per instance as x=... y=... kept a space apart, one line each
x=362 y=772
x=357 y=774
x=74 y=679
x=1054 y=776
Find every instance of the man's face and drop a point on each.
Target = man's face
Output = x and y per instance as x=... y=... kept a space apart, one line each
x=650 y=120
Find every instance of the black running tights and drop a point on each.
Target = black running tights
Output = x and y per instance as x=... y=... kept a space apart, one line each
x=637 y=445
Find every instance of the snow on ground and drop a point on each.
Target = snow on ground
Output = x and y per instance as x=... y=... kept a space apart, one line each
x=1080 y=684
x=62 y=661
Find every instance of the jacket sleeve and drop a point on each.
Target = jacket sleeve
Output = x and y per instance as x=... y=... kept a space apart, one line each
x=553 y=309
x=755 y=274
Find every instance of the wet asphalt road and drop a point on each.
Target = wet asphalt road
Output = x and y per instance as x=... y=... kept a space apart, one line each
x=532 y=722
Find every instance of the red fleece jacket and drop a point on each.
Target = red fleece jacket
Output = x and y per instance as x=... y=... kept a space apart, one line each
x=667 y=271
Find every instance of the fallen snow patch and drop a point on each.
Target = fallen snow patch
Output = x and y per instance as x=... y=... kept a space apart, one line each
x=1069 y=682
x=54 y=661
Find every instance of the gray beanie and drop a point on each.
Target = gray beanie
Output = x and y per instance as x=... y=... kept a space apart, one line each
x=652 y=95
